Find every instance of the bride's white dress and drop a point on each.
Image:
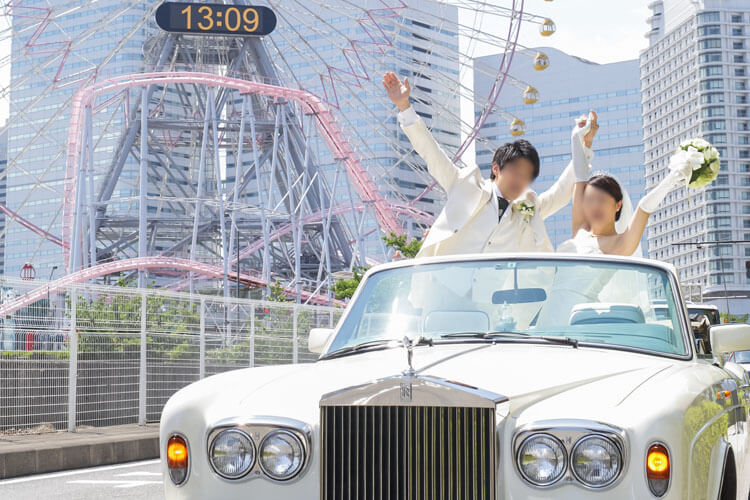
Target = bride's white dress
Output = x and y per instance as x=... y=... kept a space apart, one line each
x=579 y=283
x=582 y=243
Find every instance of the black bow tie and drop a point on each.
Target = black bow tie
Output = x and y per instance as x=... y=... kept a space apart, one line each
x=502 y=204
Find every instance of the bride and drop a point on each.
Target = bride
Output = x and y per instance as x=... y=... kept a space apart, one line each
x=603 y=223
x=602 y=220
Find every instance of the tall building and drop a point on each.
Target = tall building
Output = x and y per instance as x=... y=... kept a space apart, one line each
x=428 y=55
x=569 y=87
x=694 y=82
x=49 y=61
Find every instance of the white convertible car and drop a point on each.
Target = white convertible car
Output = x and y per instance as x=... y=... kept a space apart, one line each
x=480 y=377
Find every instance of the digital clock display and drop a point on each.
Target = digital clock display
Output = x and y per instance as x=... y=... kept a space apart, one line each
x=182 y=17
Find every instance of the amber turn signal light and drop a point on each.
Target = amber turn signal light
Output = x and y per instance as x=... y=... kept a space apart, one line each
x=177 y=459
x=658 y=469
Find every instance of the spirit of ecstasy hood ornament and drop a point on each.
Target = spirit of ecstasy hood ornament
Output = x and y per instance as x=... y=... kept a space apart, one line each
x=409 y=345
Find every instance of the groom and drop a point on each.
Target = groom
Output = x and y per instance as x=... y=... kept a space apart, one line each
x=499 y=214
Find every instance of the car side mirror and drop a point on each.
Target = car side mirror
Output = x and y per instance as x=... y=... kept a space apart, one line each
x=730 y=338
x=318 y=339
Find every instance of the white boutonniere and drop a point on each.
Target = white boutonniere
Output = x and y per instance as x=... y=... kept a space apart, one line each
x=526 y=208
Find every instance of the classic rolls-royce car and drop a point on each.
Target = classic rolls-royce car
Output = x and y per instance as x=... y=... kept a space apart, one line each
x=480 y=377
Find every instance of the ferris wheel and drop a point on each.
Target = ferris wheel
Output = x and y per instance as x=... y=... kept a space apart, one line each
x=179 y=155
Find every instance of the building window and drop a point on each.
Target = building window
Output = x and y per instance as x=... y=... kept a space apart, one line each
x=713 y=29
x=738 y=44
x=709 y=57
x=737 y=31
x=708 y=17
x=709 y=43
x=714 y=125
x=711 y=71
x=710 y=111
x=736 y=18
x=712 y=98
x=739 y=71
x=718 y=279
x=740 y=85
x=712 y=84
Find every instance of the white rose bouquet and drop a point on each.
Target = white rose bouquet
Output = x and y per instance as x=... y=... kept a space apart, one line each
x=703 y=159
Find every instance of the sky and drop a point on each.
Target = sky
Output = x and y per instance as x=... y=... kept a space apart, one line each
x=601 y=31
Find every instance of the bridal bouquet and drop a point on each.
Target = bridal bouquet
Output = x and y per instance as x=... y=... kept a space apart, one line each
x=703 y=158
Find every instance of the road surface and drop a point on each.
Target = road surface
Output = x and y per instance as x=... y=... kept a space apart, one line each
x=134 y=480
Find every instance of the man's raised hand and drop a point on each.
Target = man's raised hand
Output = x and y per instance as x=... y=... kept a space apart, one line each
x=398 y=92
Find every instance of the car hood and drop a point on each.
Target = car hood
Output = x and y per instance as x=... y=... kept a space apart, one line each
x=526 y=374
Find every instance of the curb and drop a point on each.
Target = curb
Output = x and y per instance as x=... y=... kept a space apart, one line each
x=90 y=448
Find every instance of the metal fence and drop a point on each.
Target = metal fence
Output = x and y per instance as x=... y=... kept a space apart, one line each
x=107 y=355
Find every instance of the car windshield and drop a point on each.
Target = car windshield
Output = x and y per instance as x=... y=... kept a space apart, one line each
x=588 y=301
x=741 y=357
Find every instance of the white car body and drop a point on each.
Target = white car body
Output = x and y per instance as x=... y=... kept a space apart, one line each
x=697 y=408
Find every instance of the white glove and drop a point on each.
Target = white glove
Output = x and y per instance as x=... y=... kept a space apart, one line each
x=581 y=154
x=680 y=169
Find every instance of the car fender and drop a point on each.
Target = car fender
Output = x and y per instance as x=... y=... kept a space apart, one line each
x=719 y=455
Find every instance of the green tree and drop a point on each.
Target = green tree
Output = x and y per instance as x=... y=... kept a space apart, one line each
x=735 y=318
x=406 y=249
x=345 y=288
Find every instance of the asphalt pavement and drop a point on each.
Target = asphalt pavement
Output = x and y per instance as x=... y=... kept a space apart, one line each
x=133 y=480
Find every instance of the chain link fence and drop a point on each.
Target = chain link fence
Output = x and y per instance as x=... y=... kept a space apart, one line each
x=107 y=355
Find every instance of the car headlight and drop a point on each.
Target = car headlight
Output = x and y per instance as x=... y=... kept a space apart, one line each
x=596 y=461
x=232 y=453
x=541 y=459
x=281 y=455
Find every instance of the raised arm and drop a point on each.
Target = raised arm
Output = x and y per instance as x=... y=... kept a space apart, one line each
x=581 y=139
x=560 y=193
x=679 y=174
x=439 y=164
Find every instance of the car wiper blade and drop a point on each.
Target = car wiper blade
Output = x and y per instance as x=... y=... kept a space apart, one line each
x=483 y=335
x=512 y=335
x=373 y=344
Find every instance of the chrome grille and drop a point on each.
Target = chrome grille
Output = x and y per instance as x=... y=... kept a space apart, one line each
x=407 y=452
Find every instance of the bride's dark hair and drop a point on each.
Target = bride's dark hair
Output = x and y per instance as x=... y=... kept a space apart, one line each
x=610 y=186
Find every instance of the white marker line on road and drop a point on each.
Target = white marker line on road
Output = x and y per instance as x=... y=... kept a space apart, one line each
x=91 y=470
x=139 y=473
x=116 y=483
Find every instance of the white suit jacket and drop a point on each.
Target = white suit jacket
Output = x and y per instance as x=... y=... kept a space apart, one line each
x=469 y=221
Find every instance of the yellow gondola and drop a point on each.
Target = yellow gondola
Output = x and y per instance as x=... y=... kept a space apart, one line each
x=517 y=127
x=541 y=61
x=530 y=95
x=547 y=28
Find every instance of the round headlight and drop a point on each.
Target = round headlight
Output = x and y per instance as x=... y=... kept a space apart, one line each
x=232 y=453
x=596 y=461
x=281 y=455
x=541 y=459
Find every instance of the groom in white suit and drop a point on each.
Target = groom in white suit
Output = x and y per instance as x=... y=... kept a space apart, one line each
x=487 y=215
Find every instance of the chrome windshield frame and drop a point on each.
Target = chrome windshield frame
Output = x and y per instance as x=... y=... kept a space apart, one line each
x=679 y=303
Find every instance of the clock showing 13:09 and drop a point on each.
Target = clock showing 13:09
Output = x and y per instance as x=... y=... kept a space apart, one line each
x=219 y=19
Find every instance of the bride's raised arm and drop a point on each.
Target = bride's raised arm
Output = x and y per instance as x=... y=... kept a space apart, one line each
x=678 y=173
x=581 y=140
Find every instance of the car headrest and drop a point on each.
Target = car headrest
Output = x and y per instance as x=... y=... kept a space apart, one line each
x=601 y=312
